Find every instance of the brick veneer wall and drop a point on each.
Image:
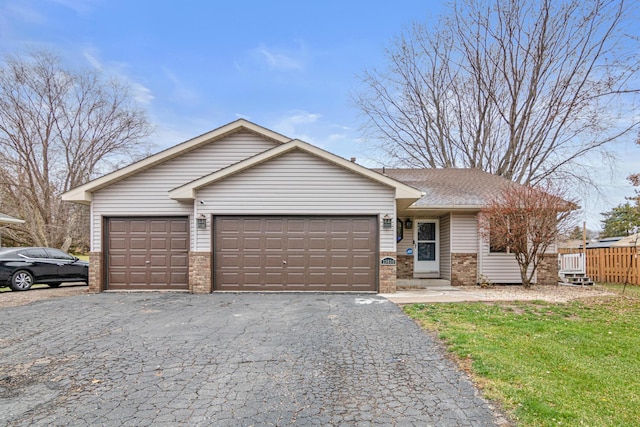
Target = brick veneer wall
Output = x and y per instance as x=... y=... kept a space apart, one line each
x=387 y=281
x=464 y=269
x=547 y=273
x=200 y=273
x=95 y=272
x=405 y=266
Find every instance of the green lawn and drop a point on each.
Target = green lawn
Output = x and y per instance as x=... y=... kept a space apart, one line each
x=574 y=364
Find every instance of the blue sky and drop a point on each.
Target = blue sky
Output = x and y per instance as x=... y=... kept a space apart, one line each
x=286 y=65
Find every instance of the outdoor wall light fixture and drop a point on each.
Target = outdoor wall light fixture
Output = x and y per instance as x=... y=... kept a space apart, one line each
x=386 y=221
x=408 y=224
x=201 y=222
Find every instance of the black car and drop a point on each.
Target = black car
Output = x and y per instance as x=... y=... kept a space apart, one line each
x=22 y=267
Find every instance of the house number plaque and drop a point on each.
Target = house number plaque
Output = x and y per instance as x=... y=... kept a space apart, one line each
x=388 y=261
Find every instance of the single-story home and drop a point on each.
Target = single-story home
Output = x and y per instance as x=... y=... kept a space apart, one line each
x=243 y=208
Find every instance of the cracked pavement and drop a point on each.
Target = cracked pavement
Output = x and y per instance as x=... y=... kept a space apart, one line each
x=228 y=360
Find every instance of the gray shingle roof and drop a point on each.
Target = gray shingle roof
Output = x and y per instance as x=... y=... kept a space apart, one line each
x=450 y=187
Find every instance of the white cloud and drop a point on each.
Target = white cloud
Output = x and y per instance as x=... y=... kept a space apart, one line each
x=14 y=11
x=280 y=59
x=337 y=137
x=92 y=59
x=140 y=93
x=291 y=124
x=180 y=90
x=78 y=6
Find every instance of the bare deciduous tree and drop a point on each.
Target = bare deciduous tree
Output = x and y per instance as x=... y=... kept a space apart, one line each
x=58 y=127
x=522 y=89
x=525 y=221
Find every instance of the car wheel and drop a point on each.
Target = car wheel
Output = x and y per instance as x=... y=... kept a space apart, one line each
x=21 y=281
x=54 y=285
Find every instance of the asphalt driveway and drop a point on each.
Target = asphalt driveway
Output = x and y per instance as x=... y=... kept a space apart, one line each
x=226 y=359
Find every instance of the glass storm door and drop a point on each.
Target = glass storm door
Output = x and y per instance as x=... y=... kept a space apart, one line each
x=426 y=259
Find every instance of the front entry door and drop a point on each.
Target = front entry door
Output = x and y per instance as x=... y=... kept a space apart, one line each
x=426 y=259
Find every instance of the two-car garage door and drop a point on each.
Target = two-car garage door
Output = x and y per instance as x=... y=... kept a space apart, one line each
x=295 y=253
x=251 y=253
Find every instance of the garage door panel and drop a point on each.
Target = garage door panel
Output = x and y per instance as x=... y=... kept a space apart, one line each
x=138 y=226
x=296 y=225
x=179 y=226
x=160 y=227
x=319 y=253
x=272 y=261
x=179 y=260
x=136 y=243
x=319 y=260
x=274 y=278
x=274 y=243
x=296 y=243
x=252 y=225
x=117 y=260
x=159 y=260
x=137 y=260
x=339 y=243
x=318 y=243
x=229 y=242
x=296 y=261
x=158 y=243
x=318 y=226
x=147 y=253
x=117 y=242
x=252 y=243
x=157 y=277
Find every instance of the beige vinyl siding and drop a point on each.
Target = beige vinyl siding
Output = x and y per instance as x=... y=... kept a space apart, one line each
x=445 y=247
x=298 y=183
x=407 y=240
x=464 y=234
x=146 y=193
x=498 y=267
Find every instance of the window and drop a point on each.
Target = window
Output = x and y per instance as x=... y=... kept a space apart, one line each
x=35 y=253
x=57 y=254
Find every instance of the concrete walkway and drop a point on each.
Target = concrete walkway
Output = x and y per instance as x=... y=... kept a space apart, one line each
x=426 y=291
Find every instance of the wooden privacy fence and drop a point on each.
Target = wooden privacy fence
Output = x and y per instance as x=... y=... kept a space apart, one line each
x=613 y=265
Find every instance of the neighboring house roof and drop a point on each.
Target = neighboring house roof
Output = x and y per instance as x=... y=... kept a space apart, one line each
x=628 y=241
x=451 y=188
x=607 y=242
x=6 y=219
x=570 y=244
x=82 y=194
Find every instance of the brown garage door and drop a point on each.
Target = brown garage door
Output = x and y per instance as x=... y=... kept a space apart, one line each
x=147 y=253
x=295 y=253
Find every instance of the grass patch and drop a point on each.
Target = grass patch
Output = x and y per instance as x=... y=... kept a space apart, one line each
x=629 y=290
x=574 y=364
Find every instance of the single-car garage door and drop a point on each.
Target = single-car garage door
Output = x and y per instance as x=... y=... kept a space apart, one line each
x=296 y=253
x=147 y=253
